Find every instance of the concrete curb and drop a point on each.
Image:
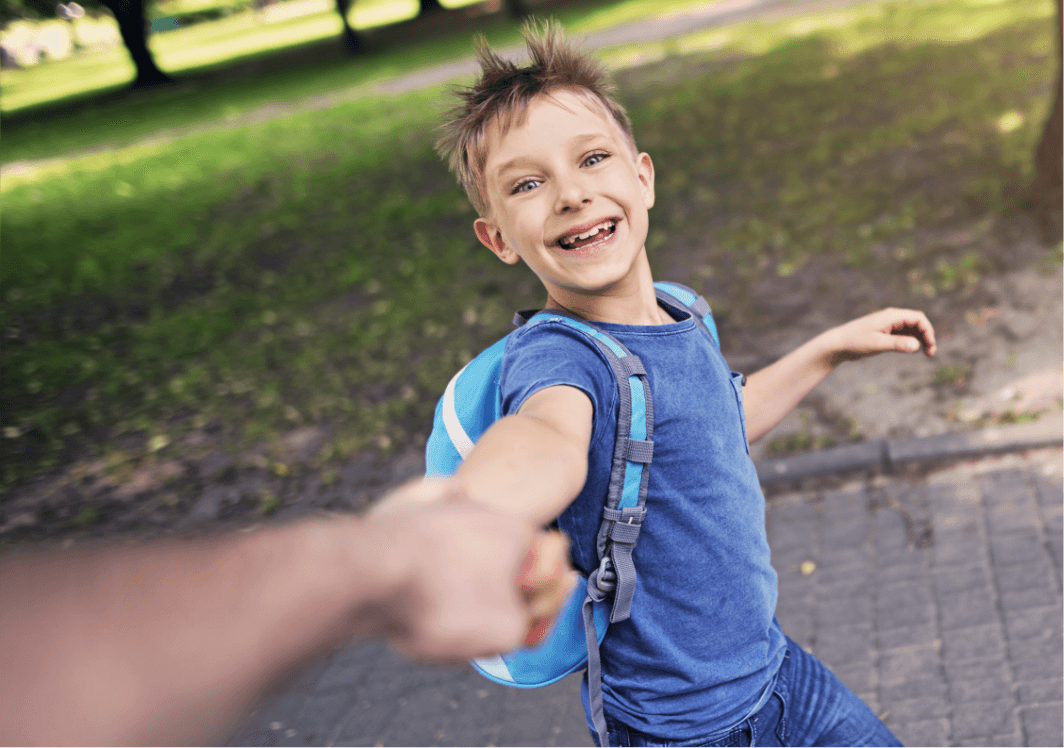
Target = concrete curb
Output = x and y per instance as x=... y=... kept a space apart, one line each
x=886 y=455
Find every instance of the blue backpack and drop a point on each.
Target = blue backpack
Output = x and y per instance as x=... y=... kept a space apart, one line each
x=473 y=401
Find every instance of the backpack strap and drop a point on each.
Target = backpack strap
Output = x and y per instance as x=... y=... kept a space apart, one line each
x=633 y=450
x=625 y=508
x=684 y=297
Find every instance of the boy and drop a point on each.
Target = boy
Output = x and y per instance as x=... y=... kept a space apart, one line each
x=550 y=164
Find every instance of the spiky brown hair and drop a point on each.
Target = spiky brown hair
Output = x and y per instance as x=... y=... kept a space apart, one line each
x=503 y=92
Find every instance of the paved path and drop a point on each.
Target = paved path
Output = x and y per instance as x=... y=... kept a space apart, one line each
x=937 y=599
x=678 y=23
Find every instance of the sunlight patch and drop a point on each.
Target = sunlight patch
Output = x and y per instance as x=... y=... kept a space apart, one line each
x=1009 y=121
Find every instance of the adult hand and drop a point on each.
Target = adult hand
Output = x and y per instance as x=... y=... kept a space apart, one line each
x=476 y=582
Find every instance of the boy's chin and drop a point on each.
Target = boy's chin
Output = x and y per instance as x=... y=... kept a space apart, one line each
x=582 y=288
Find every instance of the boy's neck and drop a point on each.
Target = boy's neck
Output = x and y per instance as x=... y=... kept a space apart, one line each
x=631 y=301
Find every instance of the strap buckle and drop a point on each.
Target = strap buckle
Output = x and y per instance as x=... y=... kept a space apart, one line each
x=605 y=577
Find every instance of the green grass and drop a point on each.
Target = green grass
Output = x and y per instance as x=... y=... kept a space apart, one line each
x=321 y=268
x=954 y=375
x=313 y=65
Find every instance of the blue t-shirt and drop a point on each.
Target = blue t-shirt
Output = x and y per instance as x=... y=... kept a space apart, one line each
x=702 y=645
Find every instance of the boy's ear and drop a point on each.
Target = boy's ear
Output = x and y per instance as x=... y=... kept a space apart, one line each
x=491 y=237
x=645 y=169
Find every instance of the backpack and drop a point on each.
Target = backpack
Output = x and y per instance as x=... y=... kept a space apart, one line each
x=472 y=402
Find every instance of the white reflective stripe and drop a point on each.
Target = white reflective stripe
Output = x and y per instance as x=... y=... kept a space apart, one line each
x=495 y=667
x=459 y=438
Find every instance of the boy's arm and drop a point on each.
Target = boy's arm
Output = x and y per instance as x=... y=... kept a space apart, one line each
x=533 y=463
x=772 y=393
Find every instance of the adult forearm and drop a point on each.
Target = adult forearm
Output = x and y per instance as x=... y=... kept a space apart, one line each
x=773 y=392
x=171 y=641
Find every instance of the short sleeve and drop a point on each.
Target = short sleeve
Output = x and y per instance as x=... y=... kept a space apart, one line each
x=552 y=353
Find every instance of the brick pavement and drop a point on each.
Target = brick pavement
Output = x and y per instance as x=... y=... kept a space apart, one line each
x=937 y=599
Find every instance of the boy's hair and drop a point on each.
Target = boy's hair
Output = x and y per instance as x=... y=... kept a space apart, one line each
x=503 y=92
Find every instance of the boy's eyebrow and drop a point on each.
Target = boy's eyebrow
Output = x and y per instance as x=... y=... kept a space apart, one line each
x=577 y=140
x=588 y=137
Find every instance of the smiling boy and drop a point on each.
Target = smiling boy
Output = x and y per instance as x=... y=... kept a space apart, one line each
x=551 y=166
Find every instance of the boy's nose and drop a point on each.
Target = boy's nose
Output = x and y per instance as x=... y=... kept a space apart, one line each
x=573 y=197
x=573 y=193
x=568 y=206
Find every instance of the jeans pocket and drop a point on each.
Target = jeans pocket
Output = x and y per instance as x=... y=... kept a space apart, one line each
x=768 y=726
x=737 y=381
x=620 y=734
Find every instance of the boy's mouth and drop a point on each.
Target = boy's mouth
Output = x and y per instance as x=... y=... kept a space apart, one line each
x=599 y=232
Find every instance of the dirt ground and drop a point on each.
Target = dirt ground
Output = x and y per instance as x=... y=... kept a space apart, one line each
x=999 y=361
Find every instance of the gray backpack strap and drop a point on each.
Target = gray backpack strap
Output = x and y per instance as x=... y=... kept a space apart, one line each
x=625 y=508
x=523 y=316
x=622 y=517
x=686 y=298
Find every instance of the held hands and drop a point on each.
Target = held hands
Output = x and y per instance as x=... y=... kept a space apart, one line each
x=476 y=582
x=904 y=330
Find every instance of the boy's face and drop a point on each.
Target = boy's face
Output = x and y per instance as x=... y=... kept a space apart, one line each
x=567 y=195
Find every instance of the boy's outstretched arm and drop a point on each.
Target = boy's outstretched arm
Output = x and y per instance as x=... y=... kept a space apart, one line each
x=533 y=463
x=772 y=393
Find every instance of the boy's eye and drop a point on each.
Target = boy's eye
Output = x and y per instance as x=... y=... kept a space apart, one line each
x=595 y=158
x=525 y=186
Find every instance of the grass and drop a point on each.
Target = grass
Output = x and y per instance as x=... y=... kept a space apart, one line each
x=320 y=268
x=954 y=375
x=49 y=110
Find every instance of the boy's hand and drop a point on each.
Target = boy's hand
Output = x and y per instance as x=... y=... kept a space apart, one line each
x=904 y=330
x=773 y=392
x=546 y=580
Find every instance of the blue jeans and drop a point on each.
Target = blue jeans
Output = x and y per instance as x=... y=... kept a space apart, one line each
x=809 y=706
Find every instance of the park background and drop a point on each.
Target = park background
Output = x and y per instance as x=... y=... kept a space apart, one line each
x=237 y=296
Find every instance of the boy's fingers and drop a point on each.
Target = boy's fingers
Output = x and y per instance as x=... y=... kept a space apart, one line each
x=913 y=330
x=537 y=632
x=929 y=336
x=546 y=581
x=548 y=599
x=906 y=344
x=547 y=562
x=545 y=607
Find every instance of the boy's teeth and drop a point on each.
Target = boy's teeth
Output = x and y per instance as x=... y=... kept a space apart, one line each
x=572 y=239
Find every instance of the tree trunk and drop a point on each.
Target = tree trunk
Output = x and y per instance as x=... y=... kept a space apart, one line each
x=516 y=8
x=427 y=7
x=1047 y=191
x=132 y=26
x=351 y=37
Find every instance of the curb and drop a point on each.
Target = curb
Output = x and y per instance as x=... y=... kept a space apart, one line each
x=887 y=455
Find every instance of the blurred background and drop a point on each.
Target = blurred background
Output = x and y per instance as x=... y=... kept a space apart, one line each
x=235 y=277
